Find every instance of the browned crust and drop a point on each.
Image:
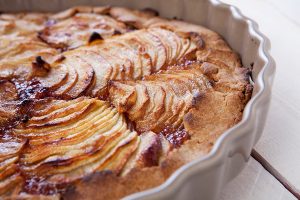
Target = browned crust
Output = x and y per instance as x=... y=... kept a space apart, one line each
x=212 y=113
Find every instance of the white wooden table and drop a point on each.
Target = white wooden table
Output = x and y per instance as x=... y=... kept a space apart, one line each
x=274 y=169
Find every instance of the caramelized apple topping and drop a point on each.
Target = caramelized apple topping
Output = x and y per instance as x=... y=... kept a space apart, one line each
x=17 y=55
x=22 y=24
x=75 y=31
x=70 y=139
x=101 y=89
x=161 y=99
x=10 y=177
x=128 y=57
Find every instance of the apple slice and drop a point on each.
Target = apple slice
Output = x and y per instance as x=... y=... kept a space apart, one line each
x=124 y=53
x=171 y=42
x=118 y=158
x=146 y=155
x=68 y=133
x=11 y=147
x=55 y=78
x=123 y=96
x=194 y=78
x=155 y=48
x=170 y=102
x=75 y=31
x=17 y=55
x=151 y=151
x=79 y=134
x=40 y=134
x=186 y=47
x=71 y=80
x=120 y=65
x=85 y=75
x=10 y=177
x=137 y=49
x=137 y=110
x=17 y=49
x=187 y=78
x=22 y=24
x=58 y=115
x=102 y=69
x=108 y=59
x=96 y=139
x=155 y=108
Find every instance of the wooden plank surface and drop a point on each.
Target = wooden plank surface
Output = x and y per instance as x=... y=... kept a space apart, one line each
x=255 y=183
x=279 y=148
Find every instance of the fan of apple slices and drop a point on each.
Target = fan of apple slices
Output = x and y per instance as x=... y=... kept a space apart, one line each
x=71 y=139
x=10 y=177
x=130 y=56
x=72 y=32
x=159 y=100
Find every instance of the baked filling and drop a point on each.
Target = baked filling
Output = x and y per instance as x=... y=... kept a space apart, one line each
x=102 y=102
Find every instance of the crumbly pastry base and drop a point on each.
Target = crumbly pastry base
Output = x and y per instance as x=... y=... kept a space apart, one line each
x=212 y=111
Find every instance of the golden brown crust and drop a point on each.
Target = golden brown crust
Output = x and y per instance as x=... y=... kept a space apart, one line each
x=180 y=85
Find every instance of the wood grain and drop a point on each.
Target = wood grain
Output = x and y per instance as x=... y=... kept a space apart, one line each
x=280 y=145
x=255 y=183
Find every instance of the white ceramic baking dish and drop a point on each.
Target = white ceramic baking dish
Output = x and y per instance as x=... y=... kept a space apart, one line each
x=205 y=177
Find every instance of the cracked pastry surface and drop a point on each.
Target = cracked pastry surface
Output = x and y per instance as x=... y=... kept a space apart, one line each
x=102 y=102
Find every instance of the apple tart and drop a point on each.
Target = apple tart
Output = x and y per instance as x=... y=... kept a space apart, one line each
x=102 y=102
